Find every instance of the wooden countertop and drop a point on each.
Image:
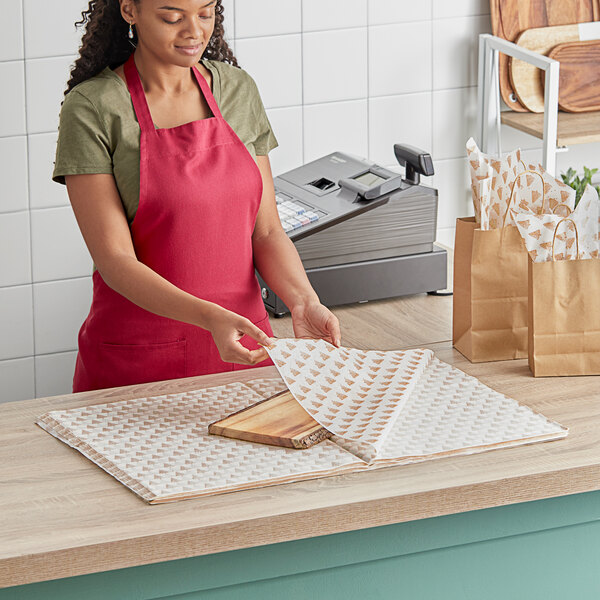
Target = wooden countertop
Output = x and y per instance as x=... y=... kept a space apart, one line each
x=61 y=515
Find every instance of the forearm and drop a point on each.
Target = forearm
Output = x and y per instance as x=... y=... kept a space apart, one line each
x=278 y=263
x=146 y=288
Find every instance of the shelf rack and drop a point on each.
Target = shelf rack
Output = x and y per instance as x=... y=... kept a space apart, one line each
x=556 y=128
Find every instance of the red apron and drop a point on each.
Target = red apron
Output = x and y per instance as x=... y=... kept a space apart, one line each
x=200 y=190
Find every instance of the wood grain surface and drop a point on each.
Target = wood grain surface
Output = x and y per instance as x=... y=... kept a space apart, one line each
x=573 y=128
x=526 y=79
x=511 y=17
x=579 y=81
x=279 y=421
x=60 y=515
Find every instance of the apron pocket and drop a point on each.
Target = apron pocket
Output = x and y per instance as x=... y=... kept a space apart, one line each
x=128 y=364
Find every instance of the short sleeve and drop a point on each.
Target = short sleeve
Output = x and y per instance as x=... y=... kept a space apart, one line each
x=83 y=145
x=265 y=139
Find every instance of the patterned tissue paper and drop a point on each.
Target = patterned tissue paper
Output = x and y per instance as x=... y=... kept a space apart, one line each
x=490 y=199
x=160 y=448
x=396 y=407
x=499 y=184
x=354 y=394
x=566 y=236
x=384 y=407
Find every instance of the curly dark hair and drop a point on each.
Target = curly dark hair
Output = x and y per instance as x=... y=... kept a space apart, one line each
x=105 y=42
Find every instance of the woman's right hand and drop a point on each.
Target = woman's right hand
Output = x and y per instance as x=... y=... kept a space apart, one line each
x=228 y=328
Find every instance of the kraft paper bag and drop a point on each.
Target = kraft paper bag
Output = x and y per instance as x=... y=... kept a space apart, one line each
x=564 y=288
x=490 y=293
x=564 y=317
x=490 y=258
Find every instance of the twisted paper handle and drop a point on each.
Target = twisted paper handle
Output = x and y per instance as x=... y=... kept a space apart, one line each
x=514 y=186
x=576 y=235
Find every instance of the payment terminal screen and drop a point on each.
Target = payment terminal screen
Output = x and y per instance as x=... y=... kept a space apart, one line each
x=369 y=179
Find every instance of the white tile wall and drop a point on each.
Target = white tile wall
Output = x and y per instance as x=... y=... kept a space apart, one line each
x=334 y=65
x=455 y=50
x=322 y=15
x=15 y=249
x=13 y=173
x=394 y=119
x=400 y=58
x=442 y=9
x=229 y=23
x=285 y=59
x=353 y=75
x=267 y=17
x=18 y=379
x=454 y=120
x=326 y=128
x=12 y=115
x=16 y=322
x=54 y=373
x=43 y=192
x=58 y=249
x=46 y=80
x=382 y=12
x=59 y=309
x=452 y=181
x=58 y=18
x=11 y=30
x=287 y=125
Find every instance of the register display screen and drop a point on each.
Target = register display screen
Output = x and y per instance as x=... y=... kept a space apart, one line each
x=369 y=179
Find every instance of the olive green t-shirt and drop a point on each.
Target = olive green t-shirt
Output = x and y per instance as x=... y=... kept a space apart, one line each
x=98 y=131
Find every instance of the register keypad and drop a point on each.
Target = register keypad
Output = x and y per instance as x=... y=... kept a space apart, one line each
x=294 y=214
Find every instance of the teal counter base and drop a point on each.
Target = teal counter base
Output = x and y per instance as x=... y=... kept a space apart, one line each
x=533 y=550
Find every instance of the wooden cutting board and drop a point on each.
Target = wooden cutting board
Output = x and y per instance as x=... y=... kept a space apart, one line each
x=279 y=421
x=527 y=80
x=511 y=17
x=579 y=82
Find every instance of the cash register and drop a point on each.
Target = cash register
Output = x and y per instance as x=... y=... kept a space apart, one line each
x=363 y=232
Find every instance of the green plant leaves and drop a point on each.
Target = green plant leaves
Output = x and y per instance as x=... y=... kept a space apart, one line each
x=579 y=183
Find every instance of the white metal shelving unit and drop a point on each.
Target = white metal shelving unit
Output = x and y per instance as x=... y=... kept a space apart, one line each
x=556 y=128
x=488 y=95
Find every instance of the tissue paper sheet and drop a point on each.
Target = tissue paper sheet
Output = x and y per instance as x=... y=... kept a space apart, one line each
x=159 y=446
x=498 y=185
x=491 y=183
x=429 y=409
x=451 y=413
x=568 y=236
x=356 y=395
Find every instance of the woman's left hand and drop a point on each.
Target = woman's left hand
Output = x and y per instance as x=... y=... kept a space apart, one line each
x=316 y=321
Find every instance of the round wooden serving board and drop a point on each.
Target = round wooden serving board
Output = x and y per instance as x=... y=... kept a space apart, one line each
x=579 y=84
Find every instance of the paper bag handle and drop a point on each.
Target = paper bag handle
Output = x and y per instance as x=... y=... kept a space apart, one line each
x=576 y=235
x=512 y=192
x=562 y=206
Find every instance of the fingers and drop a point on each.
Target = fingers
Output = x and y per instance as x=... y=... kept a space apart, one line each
x=236 y=353
x=332 y=326
x=334 y=330
x=258 y=335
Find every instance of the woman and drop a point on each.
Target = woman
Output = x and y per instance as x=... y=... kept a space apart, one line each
x=175 y=209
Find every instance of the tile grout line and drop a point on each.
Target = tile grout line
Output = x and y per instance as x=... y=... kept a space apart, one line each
x=302 y=76
x=26 y=356
x=368 y=85
x=431 y=78
x=45 y=281
x=28 y=183
x=431 y=111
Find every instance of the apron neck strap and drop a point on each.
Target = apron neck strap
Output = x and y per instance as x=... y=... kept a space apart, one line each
x=138 y=96
x=210 y=99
